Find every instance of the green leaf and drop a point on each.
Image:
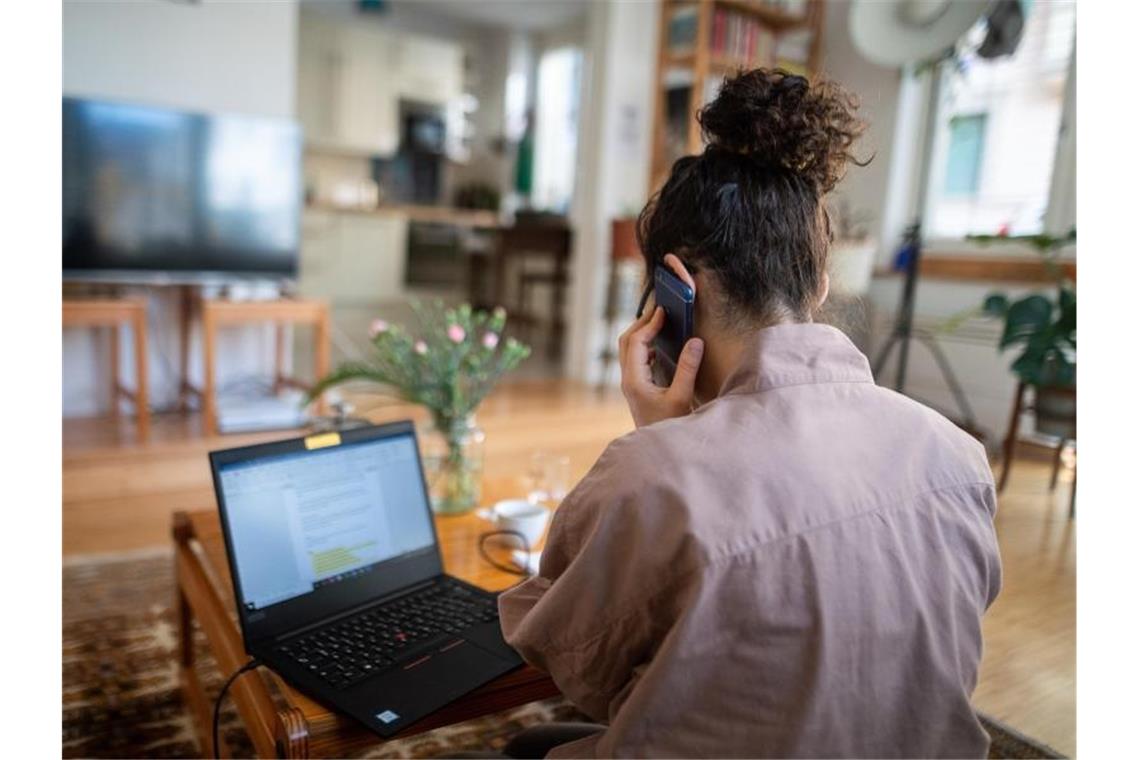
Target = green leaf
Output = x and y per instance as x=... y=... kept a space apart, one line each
x=1026 y=317
x=995 y=305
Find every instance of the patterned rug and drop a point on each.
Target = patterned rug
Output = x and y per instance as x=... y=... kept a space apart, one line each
x=120 y=686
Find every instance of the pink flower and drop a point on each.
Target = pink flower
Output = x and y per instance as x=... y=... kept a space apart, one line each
x=490 y=340
x=456 y=333
x=377 y=327
x=420 y=347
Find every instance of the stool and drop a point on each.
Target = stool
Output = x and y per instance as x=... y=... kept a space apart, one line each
x=1010 y=448
x=114 y=313
x=219 y=313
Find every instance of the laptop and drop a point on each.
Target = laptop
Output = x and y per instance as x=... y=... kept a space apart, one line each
x=339 y=580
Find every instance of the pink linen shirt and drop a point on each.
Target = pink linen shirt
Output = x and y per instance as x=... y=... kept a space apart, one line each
x=797 y=569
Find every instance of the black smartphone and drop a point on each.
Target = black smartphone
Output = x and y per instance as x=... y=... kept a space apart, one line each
x=676 y=298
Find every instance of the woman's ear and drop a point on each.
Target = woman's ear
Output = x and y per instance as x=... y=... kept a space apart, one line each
x=824 y=289
x=678 y=268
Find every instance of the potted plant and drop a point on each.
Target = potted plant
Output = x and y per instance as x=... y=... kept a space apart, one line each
x=448 y=365
x=1043 y=327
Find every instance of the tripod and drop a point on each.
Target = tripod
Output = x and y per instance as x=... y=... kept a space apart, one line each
x=911 y=255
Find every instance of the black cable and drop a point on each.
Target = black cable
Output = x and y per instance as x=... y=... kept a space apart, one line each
x=494 y=563
x=254 y=663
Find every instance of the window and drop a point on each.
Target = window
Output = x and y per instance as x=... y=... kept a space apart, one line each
x=997 y=131
x=556 y=130
x=964 y=164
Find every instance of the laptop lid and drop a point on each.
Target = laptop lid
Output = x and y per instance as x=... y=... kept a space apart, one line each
x=316 y=526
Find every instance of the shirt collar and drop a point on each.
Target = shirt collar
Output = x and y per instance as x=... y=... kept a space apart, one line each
x=797 y=354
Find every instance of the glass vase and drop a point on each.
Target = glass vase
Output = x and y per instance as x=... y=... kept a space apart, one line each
x=453 y=464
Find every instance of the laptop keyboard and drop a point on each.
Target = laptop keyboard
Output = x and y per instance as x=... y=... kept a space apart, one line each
x=396 y=633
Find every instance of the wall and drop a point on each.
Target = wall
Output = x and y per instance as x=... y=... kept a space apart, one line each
x=614 y=148
x=211 y=56
x=864 y=188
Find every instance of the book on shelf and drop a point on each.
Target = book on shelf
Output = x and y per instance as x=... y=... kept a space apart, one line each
x=682 y=34
x=790 y=7
x=738 y=38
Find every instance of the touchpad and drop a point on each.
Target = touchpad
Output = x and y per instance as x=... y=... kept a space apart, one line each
x=407 y=693
x=455 y=669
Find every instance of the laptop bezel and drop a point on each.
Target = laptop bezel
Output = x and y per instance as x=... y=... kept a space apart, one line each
x=390 y=576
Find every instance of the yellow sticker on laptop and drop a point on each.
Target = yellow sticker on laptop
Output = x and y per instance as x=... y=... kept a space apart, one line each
x=322 y=441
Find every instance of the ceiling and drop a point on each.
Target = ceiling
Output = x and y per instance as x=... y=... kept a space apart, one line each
x=527 y=15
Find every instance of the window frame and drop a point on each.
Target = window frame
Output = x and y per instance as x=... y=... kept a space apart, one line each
x=1060 y=207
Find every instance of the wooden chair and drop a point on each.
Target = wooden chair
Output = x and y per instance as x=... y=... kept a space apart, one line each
x=114 y=313
x=534 y=236
x=220 y=313
x=1010 y=448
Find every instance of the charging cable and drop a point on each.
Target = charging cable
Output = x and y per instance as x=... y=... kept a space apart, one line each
x=513 y=570
x=251 y=665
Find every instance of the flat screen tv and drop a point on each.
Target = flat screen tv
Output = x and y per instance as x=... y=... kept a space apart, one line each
x=151 y=193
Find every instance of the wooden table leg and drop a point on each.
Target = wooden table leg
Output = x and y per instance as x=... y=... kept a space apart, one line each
x=500 y=294
x=142 y=393
x=116 y=384
x=1056 y=464
x=556 y=350
x=321 y=355
x=278 y=358
x=209 y=402
x=185 y=326
x=1011 y=436
x=1073 y=495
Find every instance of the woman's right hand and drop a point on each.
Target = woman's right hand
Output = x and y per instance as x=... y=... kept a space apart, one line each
x=649 y=403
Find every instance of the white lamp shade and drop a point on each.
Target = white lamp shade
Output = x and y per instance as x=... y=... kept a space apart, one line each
x=898 y=32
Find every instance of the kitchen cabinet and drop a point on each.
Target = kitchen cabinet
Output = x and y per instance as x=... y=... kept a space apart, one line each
x=368 y=109
x=351 y=77
x=427 y=70
x=353 y=259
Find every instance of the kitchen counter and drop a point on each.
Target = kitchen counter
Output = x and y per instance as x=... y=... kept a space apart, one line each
x=460 y=217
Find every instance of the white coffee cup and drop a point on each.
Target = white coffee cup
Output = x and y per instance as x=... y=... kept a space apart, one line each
x=519 y=516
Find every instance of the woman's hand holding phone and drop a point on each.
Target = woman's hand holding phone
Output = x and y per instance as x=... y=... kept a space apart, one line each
x=649 y=403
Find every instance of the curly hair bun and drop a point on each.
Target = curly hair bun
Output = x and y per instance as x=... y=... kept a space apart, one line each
x=780 y=120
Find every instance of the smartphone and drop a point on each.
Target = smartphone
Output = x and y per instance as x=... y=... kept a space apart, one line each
x=676 y=298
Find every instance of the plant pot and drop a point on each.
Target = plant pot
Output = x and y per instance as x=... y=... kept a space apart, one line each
x=453 y=464
x=1055 y=408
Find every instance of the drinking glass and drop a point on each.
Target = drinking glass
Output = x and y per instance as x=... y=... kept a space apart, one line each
x=548 y=478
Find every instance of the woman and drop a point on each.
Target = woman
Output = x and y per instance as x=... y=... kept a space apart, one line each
x=783 y=559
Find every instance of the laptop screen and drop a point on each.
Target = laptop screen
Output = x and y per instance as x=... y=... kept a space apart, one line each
x=300 y=521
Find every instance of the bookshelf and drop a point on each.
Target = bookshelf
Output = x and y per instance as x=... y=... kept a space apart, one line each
x=702 y=41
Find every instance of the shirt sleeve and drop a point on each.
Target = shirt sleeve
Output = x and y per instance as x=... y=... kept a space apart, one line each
x=587 y=617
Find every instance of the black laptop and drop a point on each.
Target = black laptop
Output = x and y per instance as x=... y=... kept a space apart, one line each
x=339 y=581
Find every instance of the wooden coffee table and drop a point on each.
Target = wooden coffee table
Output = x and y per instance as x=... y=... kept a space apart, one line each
x=281 y=721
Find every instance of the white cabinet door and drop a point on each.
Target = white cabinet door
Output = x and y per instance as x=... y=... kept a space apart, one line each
x=319 y=81
x=346 y=96
x=429 y=71
x=373 y=253
x=367 y=114
x=353 y=259
x=320 y=255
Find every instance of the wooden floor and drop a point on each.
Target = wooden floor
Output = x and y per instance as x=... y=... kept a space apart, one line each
x=118 y=495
